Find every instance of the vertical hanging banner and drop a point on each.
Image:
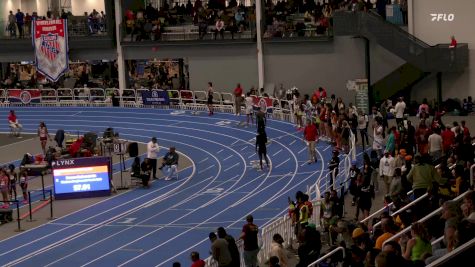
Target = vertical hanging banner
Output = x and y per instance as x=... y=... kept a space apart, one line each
x=50 y=41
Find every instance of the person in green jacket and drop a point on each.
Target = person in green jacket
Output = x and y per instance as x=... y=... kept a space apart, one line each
x=422 y=176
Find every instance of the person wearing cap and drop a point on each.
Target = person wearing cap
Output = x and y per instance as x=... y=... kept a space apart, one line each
x=15 y=126
x=310 y=137
x=386 y=169
x=152 y=151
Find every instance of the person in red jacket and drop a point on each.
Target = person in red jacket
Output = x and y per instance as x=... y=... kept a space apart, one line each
x=448 y=139
x=197 y=262
x=237 y=99
x=310 y=135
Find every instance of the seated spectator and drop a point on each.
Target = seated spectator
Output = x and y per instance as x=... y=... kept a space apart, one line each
x=171 y=161
x=232 y=28
x=419 y=245
x=15 y=126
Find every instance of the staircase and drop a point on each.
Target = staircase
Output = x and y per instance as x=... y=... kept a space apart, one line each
x=421 y=58
x=398 y=83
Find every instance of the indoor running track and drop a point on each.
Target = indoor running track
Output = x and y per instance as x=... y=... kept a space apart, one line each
x=158 y=226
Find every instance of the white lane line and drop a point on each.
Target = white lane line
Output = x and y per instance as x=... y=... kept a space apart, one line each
x=282 y=163
x=252 y=155
x=203 y=160
x=77 y=113
x=302 y=150
x=273 y=155
x=230 y=156
x=220 y=151
x=291 y=143
x=327 y=147
x=237 y=164
x=243 y=148
x=205 y=169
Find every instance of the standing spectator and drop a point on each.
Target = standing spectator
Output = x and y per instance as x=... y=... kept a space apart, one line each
x=14 y=124
x=197 y=262
x=249 y=108
x=333 y=167
x=378 y=138
x=237 y=99
x=448 y=139
x=353 y=174
x=400 y=108
x=220 y=250
x=233 y=249
x=12 y=24
x=28 y=19
x=422 y=176
x=4 y=188
x=391 y=141
x=363 y=127
x=20 y=22
x=251 y=247
x=44 y=136
x=386 y=169
x=12 y=181
x=152 y=151
x=23 y=179
x=435 y=145
x=210 y=93
x=453 y=42
x=219 y=28
x=411 y=138
x=261 y=149
x=404 y=8
x=422 y=135
x=311 y=137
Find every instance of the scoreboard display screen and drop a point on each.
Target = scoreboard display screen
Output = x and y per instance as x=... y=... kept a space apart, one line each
x=81 y=177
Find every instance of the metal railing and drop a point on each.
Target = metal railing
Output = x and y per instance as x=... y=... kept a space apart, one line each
x=326 y=256
x=374 y=214
x=453 y=253
x=410 y=204
x=427 y=217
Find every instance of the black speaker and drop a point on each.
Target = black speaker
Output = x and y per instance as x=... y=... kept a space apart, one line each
x=133 y=150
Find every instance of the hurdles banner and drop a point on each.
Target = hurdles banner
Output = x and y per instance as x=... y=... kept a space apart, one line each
x=155 y=97
x=24 y=96
x=50 y=41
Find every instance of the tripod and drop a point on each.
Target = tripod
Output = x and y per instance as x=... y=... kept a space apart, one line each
x=118 y=150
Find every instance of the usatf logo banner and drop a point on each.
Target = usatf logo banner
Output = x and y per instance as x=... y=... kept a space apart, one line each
x=50 y=40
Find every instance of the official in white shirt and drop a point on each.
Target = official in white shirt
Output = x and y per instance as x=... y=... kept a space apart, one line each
x=152 y=151
x=399 y=109
x=386 y=169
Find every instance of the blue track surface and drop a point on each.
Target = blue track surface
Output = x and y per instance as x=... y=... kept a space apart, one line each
x=158 y=226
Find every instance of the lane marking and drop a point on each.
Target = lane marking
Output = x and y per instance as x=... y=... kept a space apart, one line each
x=205 y=169
x=237 y=164
x=273 y=155
x=282 y=163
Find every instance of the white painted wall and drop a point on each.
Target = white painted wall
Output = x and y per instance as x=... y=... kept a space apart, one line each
x=80 y=6
x=434 y=32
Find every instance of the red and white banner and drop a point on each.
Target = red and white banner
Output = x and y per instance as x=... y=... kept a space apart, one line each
x=50 y=40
